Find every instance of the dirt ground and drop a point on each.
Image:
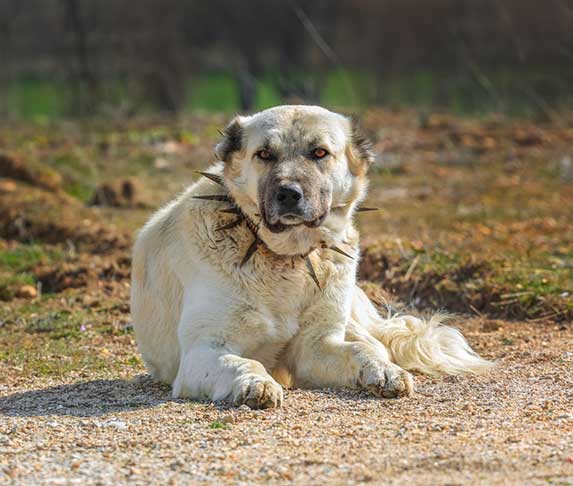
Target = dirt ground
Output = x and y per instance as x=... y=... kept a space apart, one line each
x=514 y=426
x=476 y=218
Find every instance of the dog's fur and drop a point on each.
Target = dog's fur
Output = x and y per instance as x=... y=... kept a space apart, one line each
x=219 y=321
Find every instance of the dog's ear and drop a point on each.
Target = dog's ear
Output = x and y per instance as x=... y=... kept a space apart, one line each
x=231 y=142
x=360 y=150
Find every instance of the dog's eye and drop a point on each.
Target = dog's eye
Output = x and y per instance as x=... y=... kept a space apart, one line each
x=264 y=154
x=319 y=153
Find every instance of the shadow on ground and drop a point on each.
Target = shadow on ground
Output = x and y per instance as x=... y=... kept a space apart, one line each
x=87 y=399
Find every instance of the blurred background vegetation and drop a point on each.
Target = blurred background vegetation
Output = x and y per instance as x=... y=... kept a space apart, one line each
x=61 y=58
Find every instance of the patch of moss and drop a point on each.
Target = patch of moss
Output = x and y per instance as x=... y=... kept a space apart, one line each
x=25 y=257
x=218 y=425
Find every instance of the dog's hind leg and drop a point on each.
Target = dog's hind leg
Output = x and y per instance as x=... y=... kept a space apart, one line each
x=427 y=346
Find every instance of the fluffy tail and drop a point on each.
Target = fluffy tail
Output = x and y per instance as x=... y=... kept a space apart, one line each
x=429 y=346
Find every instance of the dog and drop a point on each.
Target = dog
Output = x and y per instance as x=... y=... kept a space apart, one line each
x=246 y=282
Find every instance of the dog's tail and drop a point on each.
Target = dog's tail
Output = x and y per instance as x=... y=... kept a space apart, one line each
x=429 y=346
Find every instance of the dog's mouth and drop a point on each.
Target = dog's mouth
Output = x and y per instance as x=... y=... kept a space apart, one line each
x=288 y=221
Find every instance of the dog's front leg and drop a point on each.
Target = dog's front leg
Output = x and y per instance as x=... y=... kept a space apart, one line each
x=215 y=332
x=209 y=370
x=320 y=355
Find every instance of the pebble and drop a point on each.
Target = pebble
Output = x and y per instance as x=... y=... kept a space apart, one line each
x=116 y=424
x=228 y=419
x=27 y=292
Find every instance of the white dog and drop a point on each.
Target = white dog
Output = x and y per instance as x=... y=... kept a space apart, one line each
x=248 y=278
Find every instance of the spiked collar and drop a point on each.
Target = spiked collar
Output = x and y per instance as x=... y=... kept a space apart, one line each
x=253 y=227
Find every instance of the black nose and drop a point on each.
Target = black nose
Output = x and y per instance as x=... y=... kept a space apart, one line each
x=289 y=196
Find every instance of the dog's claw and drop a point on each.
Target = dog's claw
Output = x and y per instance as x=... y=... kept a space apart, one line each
x=260 y=393
x=387 y=380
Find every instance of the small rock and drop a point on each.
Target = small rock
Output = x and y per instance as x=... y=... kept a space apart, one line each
x=468 y=407
x=116 y=424
x=228 y=419
x=8 y=186
x=161 y=163
x=27 y=292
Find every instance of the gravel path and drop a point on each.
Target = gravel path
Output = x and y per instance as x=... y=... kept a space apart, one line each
x=514 y=426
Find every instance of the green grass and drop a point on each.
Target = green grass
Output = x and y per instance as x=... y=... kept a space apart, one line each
x=41 y=340
x=51 y=358
x=57 y=325
x=36 y=319
x=25 y=257
x=218 y=425
x=16 y=265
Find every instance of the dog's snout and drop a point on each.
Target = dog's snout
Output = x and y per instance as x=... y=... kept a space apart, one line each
x=289 y=196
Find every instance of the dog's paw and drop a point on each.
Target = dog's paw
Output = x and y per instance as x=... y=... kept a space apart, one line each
x=258 y=392
x=386 y=380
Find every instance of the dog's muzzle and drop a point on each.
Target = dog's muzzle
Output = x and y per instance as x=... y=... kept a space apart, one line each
x=289 y=201
x=285 y=206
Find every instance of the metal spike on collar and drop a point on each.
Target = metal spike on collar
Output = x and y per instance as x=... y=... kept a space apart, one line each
x=358 y=209
x=364 y=209
x=214 y=177
x=231 y=211
x=311 y=272
x=250 y=251
x=341 y=251
x=231 y=224
x=215 y=197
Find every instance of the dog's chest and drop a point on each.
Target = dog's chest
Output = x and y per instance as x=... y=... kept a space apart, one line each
x=266 y=294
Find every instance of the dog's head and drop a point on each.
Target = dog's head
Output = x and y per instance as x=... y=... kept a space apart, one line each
x=302 y=169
